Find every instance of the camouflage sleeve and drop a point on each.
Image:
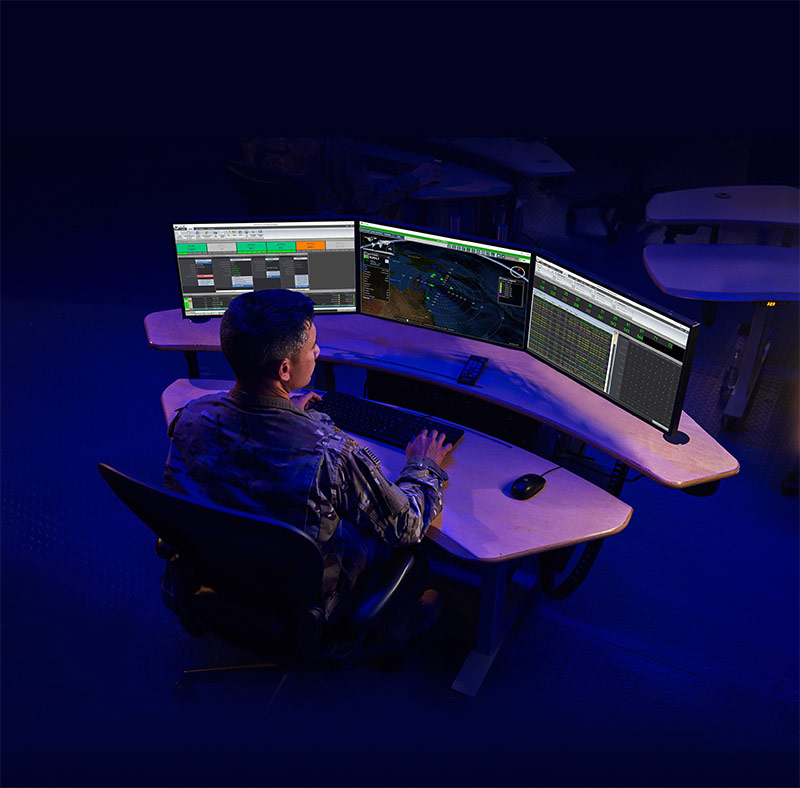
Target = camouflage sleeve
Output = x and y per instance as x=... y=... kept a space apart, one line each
x=397 y=513
x=357 y=189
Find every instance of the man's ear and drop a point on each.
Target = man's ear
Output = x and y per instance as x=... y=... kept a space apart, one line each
x=284 y=370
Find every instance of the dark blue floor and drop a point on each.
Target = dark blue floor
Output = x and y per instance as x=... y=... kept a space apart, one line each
x=676 y=662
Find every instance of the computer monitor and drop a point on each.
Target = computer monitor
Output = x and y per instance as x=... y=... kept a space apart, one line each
x=219 y=260
x=630 y=351
x=449 y=283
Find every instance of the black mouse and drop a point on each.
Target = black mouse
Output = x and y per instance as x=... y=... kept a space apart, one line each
x=527 y=486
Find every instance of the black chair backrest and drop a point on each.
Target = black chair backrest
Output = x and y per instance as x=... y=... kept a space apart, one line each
x=268 y=192
x=244 y=555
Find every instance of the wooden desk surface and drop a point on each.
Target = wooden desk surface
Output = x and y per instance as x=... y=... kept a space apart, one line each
x=512 y=379
x=534 y=159
x=458 y=182
x=779 y=205
x=481 y=521
x=168 y=330
x=725 y=272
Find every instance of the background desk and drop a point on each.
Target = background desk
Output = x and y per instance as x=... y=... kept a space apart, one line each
x=524 y=163
x=532 y=159
x=512 y=379
x=764 y=275
x=481 y=522
x=461 y=191
x=716 y=205
x=458 y=182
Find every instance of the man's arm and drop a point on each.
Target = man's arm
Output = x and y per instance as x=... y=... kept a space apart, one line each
x=398 y=513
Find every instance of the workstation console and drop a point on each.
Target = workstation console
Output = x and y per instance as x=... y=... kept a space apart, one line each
x=565 y=350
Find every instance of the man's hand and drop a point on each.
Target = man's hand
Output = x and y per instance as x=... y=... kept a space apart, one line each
x=432 y=446
x=428 y=173
x=302 y=399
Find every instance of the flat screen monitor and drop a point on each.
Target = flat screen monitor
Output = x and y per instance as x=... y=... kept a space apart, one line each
x=630 y=351
x=219 y=260
x=448 y=283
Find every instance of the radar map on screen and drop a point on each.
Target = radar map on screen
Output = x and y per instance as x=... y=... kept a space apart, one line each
x=457 y=288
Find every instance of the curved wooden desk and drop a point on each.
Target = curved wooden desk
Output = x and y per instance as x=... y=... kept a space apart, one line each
x=512 y=379
x=481 y=522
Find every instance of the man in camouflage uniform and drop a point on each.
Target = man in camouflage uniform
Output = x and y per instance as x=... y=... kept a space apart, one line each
x=333 y=169
x=258 y=448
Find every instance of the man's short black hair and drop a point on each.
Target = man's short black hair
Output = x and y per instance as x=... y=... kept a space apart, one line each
x=262 y=328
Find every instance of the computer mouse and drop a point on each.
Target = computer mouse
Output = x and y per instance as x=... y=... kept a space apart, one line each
x=527 y=486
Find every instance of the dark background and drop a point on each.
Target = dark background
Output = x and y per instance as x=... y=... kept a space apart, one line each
x=114 y=119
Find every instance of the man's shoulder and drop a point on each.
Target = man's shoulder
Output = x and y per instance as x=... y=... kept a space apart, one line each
x=214 y=400
x=220 y=398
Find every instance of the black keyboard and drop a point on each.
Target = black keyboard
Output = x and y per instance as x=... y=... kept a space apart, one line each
x=378 y=421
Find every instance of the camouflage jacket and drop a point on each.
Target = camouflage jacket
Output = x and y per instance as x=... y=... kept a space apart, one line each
x=333 y=169
x=267 y=456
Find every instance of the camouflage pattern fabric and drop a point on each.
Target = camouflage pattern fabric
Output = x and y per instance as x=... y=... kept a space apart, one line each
x=267 y=456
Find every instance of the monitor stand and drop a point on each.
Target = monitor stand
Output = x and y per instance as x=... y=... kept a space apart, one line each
x=679 y=438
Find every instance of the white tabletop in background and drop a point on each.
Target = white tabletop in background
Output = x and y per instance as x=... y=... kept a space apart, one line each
x=725 y=272
x=778 y=205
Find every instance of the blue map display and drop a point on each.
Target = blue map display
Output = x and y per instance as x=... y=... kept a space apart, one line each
x=461 y=292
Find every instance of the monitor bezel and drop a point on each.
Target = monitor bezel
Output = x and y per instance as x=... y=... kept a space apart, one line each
x=457 y=236
x=256 y=219
x=691 y=342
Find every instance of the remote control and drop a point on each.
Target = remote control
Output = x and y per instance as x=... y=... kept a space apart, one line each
x=472 y=370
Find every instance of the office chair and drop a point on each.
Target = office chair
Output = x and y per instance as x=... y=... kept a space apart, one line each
x=269 y=192
x=255 y=582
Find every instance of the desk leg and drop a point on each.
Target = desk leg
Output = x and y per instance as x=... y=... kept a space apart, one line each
x=192 y=363
x=617 y=480
x=755 y=351
x=493 y=626
x=493 y=596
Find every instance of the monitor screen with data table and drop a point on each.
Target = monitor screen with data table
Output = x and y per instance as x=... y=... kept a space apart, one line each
x=219 y=260
x=630 y=351
x=448 y=283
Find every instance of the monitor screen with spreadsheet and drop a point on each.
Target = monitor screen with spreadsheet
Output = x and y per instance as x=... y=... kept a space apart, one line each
x=474 y=288
x=632 y=352
x=219 y=260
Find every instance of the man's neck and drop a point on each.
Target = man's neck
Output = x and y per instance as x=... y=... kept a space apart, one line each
x=264 y=388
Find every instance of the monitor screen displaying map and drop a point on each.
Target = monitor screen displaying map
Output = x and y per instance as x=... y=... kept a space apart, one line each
x=461 y=286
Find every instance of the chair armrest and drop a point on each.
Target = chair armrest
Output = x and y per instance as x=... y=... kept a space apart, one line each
x=371 y=599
